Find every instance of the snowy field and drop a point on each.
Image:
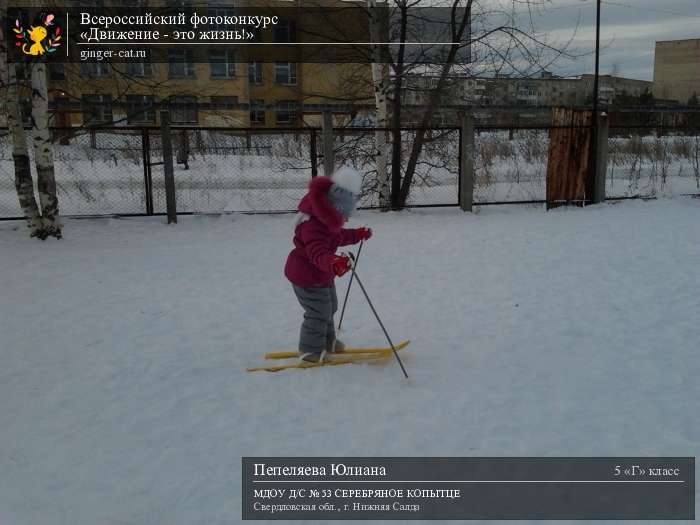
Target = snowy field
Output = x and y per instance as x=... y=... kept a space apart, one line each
x=123 y=394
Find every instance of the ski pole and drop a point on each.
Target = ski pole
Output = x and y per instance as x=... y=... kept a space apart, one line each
x=352 y=267
x=345 y=302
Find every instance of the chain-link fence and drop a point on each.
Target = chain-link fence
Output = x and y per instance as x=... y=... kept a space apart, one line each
x=119 y=171
x=231 y=170
x=510 y=165
x=435 y=180
x=653 y=164
x=97 y=172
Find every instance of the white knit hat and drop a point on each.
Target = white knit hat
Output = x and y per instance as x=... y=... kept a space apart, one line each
x=345 y=190
x=349 y=179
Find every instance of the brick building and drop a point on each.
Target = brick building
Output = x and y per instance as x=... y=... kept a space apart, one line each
x=677 y=69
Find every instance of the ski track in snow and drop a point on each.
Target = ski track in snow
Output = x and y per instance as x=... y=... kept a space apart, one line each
x=123 y=394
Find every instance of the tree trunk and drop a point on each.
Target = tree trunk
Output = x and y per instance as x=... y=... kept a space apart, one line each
x=23 y=175
x=43 y=152
x=418 y=142
x=396 y=116
x=380 y=80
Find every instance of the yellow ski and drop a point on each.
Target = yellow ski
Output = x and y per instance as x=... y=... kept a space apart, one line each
x=347 y=351
x=332 y=361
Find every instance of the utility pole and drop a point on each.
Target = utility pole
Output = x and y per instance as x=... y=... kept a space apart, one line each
x=597 y=62
x=593 y=156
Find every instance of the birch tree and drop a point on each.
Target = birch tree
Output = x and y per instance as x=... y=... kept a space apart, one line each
x=20 y=155
x=43 y=152
x=380 y=81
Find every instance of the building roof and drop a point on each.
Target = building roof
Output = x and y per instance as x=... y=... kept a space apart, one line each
x=677 y=41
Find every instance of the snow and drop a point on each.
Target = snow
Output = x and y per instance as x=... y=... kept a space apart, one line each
x=123 y=392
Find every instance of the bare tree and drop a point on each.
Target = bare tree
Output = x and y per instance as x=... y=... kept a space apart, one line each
x=450 y=41
x=495 y=42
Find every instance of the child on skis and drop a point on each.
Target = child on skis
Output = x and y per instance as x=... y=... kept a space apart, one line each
x=313 y=264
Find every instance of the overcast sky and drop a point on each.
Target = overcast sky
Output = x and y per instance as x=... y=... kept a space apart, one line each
x=629 y=29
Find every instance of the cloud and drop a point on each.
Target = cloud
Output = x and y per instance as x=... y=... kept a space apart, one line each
x=628 y=32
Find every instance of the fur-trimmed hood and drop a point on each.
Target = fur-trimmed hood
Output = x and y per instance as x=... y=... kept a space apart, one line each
x=317 y=204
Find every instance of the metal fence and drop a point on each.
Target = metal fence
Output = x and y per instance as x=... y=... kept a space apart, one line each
x=118 y=171
x=649 y=161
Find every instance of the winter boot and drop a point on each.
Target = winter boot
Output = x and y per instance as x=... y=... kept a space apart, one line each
x=335 y=346
x=314 y=357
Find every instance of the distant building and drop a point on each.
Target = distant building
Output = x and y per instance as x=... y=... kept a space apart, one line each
x=610 y=87
x=677 y=69
x=529 y=98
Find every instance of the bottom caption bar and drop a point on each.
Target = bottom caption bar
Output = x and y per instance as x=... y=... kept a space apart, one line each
x=459 y=488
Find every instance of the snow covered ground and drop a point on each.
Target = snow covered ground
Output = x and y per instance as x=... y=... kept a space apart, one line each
x=123 y=395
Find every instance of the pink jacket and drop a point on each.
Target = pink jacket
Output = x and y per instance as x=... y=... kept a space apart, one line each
x=317 y=238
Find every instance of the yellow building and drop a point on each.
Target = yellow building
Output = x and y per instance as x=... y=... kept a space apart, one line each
x=208 y=86
x=677 y=70
x=129 y=94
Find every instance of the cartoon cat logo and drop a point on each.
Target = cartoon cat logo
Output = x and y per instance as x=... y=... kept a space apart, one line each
x=31 y=41
x=36 y=35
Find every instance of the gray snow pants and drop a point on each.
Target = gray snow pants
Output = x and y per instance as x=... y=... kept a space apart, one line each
x=317 y=330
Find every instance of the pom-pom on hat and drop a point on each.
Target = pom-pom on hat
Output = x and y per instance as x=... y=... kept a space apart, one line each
x=349 y=179
x=345 y=190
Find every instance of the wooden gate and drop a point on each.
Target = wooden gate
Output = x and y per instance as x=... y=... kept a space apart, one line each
x=569 y=173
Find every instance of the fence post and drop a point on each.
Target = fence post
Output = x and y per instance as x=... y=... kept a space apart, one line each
x=328 y=160
x=466 y=161
x=168 y=166
x=314 y=155
x=147 y=181
x=601 y=165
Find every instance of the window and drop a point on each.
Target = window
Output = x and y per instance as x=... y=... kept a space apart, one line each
x=222 y=11
x=97 y=109
x=285 y=73
x=139 y=69
x=61 y=106
x=57 y=71
x=181 y=63
x=286 y=112
x=140 y=108
x=255 y=72
x=183 y=109
x=257 y=34
x=26 y=108
x=181 y=5
x=21 y=71
x=257 y=111
x=97 y=69
x=222 y=63
x=61 y=103
x=284 y=31
x=227 y=103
